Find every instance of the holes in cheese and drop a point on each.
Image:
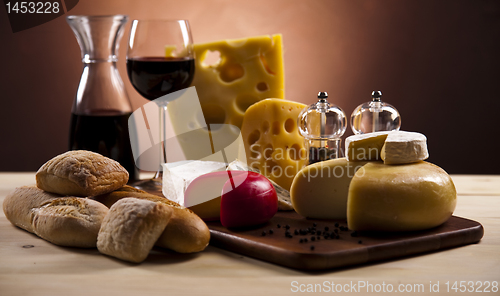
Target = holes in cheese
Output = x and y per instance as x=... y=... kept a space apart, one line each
x=262 y=86
x=290 y=125
x=244 y=101
x=239 y=77
x=210 y=58
x=231 y=72
x=279 y=151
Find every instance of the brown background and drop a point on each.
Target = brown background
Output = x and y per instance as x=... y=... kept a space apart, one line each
x=437 y=61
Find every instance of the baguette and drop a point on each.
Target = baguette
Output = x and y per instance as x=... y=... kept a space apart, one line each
x=64 y=221
x=81 y=173
x=131 y=228
x=185 y=232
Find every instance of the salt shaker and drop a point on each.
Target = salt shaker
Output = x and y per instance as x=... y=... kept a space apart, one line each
x=322 y=125
x=375 y=116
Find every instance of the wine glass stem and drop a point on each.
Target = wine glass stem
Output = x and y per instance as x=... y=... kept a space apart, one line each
x=163 y=138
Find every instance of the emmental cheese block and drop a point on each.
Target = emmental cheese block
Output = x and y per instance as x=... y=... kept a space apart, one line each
x=271 y=140
x=248 y=71
x=400 y=197
x=320 y=190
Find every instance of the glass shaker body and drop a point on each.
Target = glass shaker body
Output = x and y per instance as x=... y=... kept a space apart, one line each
x=99 y=119
x=375 y=116
x=322 y=126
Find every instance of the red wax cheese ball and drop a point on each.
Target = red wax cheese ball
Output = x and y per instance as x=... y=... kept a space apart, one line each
x=247 y=200
x=202 y=196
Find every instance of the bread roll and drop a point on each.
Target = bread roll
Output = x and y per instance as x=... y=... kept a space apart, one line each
x=64 y=221
x=81 y=173
x=185 y=233
x=131 y=228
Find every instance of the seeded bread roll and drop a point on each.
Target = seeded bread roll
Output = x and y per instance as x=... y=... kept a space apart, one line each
x=185 y=233
x=81 y=173
x=64 y=221
x=131 y=228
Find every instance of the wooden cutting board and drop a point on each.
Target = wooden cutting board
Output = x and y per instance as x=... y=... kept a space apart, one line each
x=346 y=250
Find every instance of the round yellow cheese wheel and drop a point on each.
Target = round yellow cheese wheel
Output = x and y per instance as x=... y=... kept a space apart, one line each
x=404 y=197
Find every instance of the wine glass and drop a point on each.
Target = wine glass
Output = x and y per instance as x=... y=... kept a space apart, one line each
x=160 y=60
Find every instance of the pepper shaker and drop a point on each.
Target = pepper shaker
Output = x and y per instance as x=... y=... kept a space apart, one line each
x=375 y=116
x=322 y=125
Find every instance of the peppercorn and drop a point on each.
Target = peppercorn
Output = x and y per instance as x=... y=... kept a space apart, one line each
x=336 y=224
x=287 y=226
x=296 y=232
x=327 y=228
x=305 y=240
x=313 y=238
x=263 y=233
x=301 y=240
x=312 y=248
x=318 y=232
x=271 y=231
x=279 y=226
x=360 y=242
x=314 y=224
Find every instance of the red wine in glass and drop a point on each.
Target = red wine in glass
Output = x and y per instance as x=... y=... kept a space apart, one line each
x=154 y=77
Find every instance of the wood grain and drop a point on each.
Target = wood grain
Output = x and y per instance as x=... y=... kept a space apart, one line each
x=351 y=248
x=46 y=269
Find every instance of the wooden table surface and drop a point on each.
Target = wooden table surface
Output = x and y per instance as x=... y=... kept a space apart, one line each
x=46 y=269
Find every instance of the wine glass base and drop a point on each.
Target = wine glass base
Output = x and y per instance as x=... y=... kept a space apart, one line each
x=153 y=186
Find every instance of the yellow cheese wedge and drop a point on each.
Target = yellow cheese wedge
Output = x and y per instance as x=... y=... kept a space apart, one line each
x=272 y=141
x=394 y=147
x=400 y=197
x=320 y=190
x=249 y=70
x=365 y=147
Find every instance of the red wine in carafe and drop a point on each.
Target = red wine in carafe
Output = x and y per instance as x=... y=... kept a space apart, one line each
x=107 y=135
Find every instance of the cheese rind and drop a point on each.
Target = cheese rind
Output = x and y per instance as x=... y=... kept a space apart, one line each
x=320 y=190
x=249 y=70
x=365 y=147
x=400 y=197
x=272 y=141
x=404 y=147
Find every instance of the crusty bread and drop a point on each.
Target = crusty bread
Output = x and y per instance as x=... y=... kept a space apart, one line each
x=81 y=173
x=64 y=221
x=131 y=228
x=185 y=233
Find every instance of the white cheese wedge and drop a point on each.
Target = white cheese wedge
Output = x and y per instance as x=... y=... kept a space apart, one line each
x=404 y=147
x=395 y=147
x=177 y=176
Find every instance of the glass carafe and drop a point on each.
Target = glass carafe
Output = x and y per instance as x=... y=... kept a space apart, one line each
x=99 y=120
